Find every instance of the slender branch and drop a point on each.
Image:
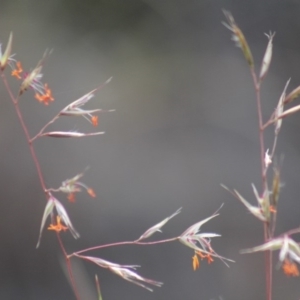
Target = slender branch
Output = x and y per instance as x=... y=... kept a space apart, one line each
x=39 y=171
x=42 y=130
x=136 y=242
x=69 y=266
x=268 y=254
x=261 y=130
x=20 y=117
x=291 y=232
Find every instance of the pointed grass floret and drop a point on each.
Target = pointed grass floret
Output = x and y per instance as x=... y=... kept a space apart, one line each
x=6 y=58
x=262 y=211
x=201 y=242
x=238 y=37
x=135 y=278
x=267 y=57
x=33 y=80
x=158 y=226
x=62 y=215
x=75 y=108
x=289 y=253
x=69 y=134
x=279 y=109
x=125 y=271
x=292 y=95
x=73 y=185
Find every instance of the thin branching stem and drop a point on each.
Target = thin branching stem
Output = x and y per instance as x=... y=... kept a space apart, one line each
x=69 y=267
x=43 y=129
x=136 y=242
x=291 y=232
x=261 y=130
x=268 y=254
x=20 y=117
x=15 y=101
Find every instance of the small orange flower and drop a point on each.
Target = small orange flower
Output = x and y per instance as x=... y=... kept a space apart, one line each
x=196 y=263
x=91 y=192
x=201 y=255
x=46 y=97
x=94 y=120
x=209 y=258
x=290 y=268
x=16 y=72
x=58 y=227
x=273 y=209
x=71 y=197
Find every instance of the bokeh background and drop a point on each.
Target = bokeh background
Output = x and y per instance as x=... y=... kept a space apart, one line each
x=185 y=122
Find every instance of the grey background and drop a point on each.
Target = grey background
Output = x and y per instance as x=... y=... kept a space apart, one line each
x=185 y=122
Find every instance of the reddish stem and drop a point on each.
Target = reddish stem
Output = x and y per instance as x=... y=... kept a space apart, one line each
x=69 y=267
x=125 y=243
x=268 y=254
x=19 y=114
x=15 y=101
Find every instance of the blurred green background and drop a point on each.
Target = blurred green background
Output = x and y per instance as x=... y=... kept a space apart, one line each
x=185 y=122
